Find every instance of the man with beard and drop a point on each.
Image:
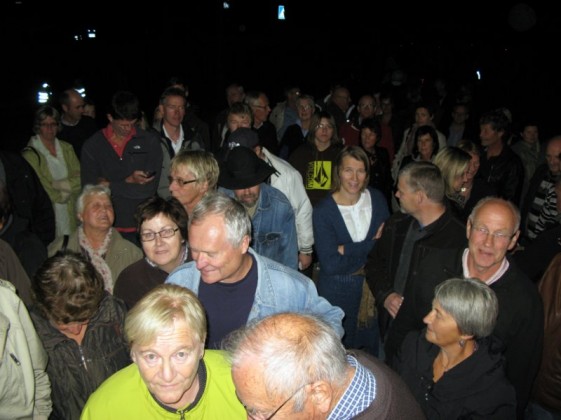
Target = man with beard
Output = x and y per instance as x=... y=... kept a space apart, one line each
x=272 y=217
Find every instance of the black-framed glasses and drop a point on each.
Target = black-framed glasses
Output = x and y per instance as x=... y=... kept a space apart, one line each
x=256 y=415
x=164 y=233
x=180 y=182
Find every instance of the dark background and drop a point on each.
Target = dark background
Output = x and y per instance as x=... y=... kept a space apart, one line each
x=515 y=46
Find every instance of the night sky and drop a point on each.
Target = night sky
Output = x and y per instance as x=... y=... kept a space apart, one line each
x=354 y=42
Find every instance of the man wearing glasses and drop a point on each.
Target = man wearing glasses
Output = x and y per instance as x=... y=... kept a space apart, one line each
x=293 y=366
x=124 y=158
x=493 y=229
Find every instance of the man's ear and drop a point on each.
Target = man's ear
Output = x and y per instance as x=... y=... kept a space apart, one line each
x=133 y=356
x=321 y=395
x=468 y=229
x=245 y=243
x=514 y=240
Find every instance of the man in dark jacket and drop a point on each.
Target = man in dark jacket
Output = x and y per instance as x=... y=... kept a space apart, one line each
x=493 y=230
x=500 y=166
x=416 y=252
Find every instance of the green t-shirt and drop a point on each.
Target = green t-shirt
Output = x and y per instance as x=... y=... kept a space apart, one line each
x=124 y=395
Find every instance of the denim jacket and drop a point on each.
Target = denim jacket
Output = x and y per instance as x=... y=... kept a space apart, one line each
x=279 y=289
x=273 y=227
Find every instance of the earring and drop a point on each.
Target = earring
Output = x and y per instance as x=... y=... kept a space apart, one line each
x=462 y=343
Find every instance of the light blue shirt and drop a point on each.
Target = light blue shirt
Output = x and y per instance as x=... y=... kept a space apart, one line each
x=279 y=289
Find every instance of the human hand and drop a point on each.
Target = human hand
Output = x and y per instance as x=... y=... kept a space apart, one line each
x=304 y=261
x=379 y=231
x=140 y=177
x=393 y=303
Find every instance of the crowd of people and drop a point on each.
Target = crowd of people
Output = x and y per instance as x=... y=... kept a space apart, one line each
x=396 y=259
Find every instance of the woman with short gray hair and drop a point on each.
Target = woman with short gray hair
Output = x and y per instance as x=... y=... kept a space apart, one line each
x=455 y=367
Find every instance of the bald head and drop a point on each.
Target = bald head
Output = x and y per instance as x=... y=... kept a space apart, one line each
x=72 y=105
x=495 y=204
x=552 y=155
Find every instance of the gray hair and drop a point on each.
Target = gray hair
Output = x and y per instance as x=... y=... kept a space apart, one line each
x=294 y=350
x=426 y=177
x=88 y=190
x=236 y=219
x=473 y=305
x=496 y=200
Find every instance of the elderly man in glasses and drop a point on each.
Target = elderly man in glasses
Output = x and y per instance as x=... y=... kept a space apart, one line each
x=493 y=229
x=293 y=366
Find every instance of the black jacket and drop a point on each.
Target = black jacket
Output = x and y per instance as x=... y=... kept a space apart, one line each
x=434 y=259
x=476 y=388
x=76 y=370
x=505 y=172
x=28 y=197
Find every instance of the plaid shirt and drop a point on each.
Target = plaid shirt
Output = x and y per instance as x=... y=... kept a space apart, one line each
x=359 y=394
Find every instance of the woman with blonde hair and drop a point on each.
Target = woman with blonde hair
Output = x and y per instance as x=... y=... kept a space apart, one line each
x=454 y=164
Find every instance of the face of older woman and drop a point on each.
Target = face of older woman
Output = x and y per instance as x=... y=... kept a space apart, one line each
x=48 y=129
x=166 y=253
x=442 y=329
x=98 y=212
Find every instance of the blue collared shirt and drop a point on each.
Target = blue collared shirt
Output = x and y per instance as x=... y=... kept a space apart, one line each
x=359 y=394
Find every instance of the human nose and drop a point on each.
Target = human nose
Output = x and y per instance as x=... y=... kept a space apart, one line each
x=200 y=260
x=167 y=370
x=428 y=318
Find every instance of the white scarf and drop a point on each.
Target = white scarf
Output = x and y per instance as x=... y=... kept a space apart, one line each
x=97 y=257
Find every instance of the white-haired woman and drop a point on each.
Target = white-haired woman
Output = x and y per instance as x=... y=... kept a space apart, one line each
x=455 y=367
x=96 y=238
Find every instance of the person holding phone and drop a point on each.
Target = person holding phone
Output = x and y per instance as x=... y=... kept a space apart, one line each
x=125 y=158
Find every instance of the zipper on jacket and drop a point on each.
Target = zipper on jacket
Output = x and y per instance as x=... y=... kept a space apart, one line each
x=83 y=358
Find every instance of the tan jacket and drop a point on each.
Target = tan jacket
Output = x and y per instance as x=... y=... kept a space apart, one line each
x=25 y=390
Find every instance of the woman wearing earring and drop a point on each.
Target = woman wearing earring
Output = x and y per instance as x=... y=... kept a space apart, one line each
x=454 y=367
x=162 y=226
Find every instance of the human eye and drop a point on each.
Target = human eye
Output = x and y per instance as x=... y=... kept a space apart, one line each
x=166 y=233
x=182 y=355
x=150 y=358
x=147 y=236
x=501 y=235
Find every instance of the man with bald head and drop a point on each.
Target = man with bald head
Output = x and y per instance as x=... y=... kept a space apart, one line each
x=492 y=231
x=294 y=366
x=540 y=204
x=76 y=127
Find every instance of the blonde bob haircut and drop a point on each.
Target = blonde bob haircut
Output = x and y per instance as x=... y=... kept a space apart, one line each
x=158 y=309
x=453 y=162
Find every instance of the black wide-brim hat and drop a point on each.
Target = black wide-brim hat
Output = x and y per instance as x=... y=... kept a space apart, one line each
x=243 y=169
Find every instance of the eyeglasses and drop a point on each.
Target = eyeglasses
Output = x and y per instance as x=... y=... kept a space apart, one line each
x=261 y=106
x=305 y=107
x=180 y=181
x=498 y=236
x=256 y=415
x=164 y=233
x=49 y=125
x=326 y=126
